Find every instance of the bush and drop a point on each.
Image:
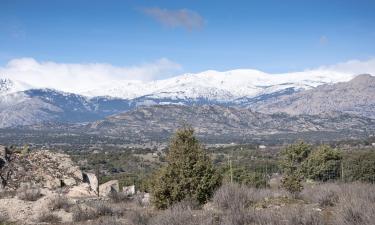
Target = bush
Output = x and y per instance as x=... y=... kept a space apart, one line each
x=293 y=156
x=292 y=183
x=49 y=218
x=29 y=193
x=189 y=173
x=359 y=166
x=323 y=164
x=246 y=177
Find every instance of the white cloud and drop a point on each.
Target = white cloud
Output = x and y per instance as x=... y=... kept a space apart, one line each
x=80 y=77
x=176 y=18
x=353 y=67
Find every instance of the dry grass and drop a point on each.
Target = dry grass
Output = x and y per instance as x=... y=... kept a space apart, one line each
x=182 y=214
x=341 y=204
x=356 y=205
x=234 y=196
x=94 y=211
x=324 y=194
x=60 y=202
x=139 y=218
x=49 y=218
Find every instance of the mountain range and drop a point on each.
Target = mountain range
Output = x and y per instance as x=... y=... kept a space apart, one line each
x=305 y=93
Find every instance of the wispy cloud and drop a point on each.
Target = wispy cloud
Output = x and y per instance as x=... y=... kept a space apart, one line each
x=78 y=77
x=185 y=18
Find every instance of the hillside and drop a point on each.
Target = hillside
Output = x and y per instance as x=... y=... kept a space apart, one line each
x=223 y=123
x=356 y=97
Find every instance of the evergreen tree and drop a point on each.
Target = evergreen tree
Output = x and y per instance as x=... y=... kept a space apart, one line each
x=188 y=175
x=291 y=164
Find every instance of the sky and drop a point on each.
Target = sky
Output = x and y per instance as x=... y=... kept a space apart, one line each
x=150 y=40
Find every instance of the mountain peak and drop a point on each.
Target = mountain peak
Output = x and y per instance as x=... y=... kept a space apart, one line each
x=363 y=79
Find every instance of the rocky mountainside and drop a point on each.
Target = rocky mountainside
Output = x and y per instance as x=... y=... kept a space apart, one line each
x=356 y=97
x=225 y=123
x=40 y=105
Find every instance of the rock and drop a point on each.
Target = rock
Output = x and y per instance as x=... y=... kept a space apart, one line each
x=109 y=187
x=52 y=183
x=45 y=168
x=91 y=179
x=81 y=191
x=146 y=199
x=69 y=181
x=129 y=190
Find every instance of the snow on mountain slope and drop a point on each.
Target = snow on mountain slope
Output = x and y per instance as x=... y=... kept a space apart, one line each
x=219 y=86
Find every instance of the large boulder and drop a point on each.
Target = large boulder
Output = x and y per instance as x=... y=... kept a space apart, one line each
x=81 y=191
x=92 y=180
x=45 y=168
x=129 y=190
x=109 y=187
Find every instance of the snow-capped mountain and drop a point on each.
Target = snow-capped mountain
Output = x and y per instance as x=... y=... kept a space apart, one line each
x=21 y=104
x=219 y=86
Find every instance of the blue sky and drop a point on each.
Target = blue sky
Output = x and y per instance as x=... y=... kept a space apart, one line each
x=272 y=36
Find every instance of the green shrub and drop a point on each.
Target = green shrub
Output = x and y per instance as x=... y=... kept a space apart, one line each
x=323 y=164
x=359 y=166
x=189 y=173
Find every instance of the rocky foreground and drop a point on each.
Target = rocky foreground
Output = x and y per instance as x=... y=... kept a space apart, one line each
x=32 y=184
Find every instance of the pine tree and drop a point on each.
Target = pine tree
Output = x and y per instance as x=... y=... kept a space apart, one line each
x=188 y=175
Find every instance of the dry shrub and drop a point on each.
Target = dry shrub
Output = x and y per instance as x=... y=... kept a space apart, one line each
x=60 y=202
x=182 y=214
x=94 y=211
x=83 y=214
x=356 y=205
x=139 y=218
x=326 y=194
x=108 y=220
x=284 y=216
x=234 y=196
x=119 y=197
x=49 y=218
x=237 y=216
x=29 y=193
x=103 y=209
x=3 y=218
x=7 y=194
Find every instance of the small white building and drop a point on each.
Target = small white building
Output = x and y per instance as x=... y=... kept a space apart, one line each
x=262 y=147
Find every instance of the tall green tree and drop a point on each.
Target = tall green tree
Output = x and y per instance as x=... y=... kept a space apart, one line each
x=189 y=173
x=292 y=159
